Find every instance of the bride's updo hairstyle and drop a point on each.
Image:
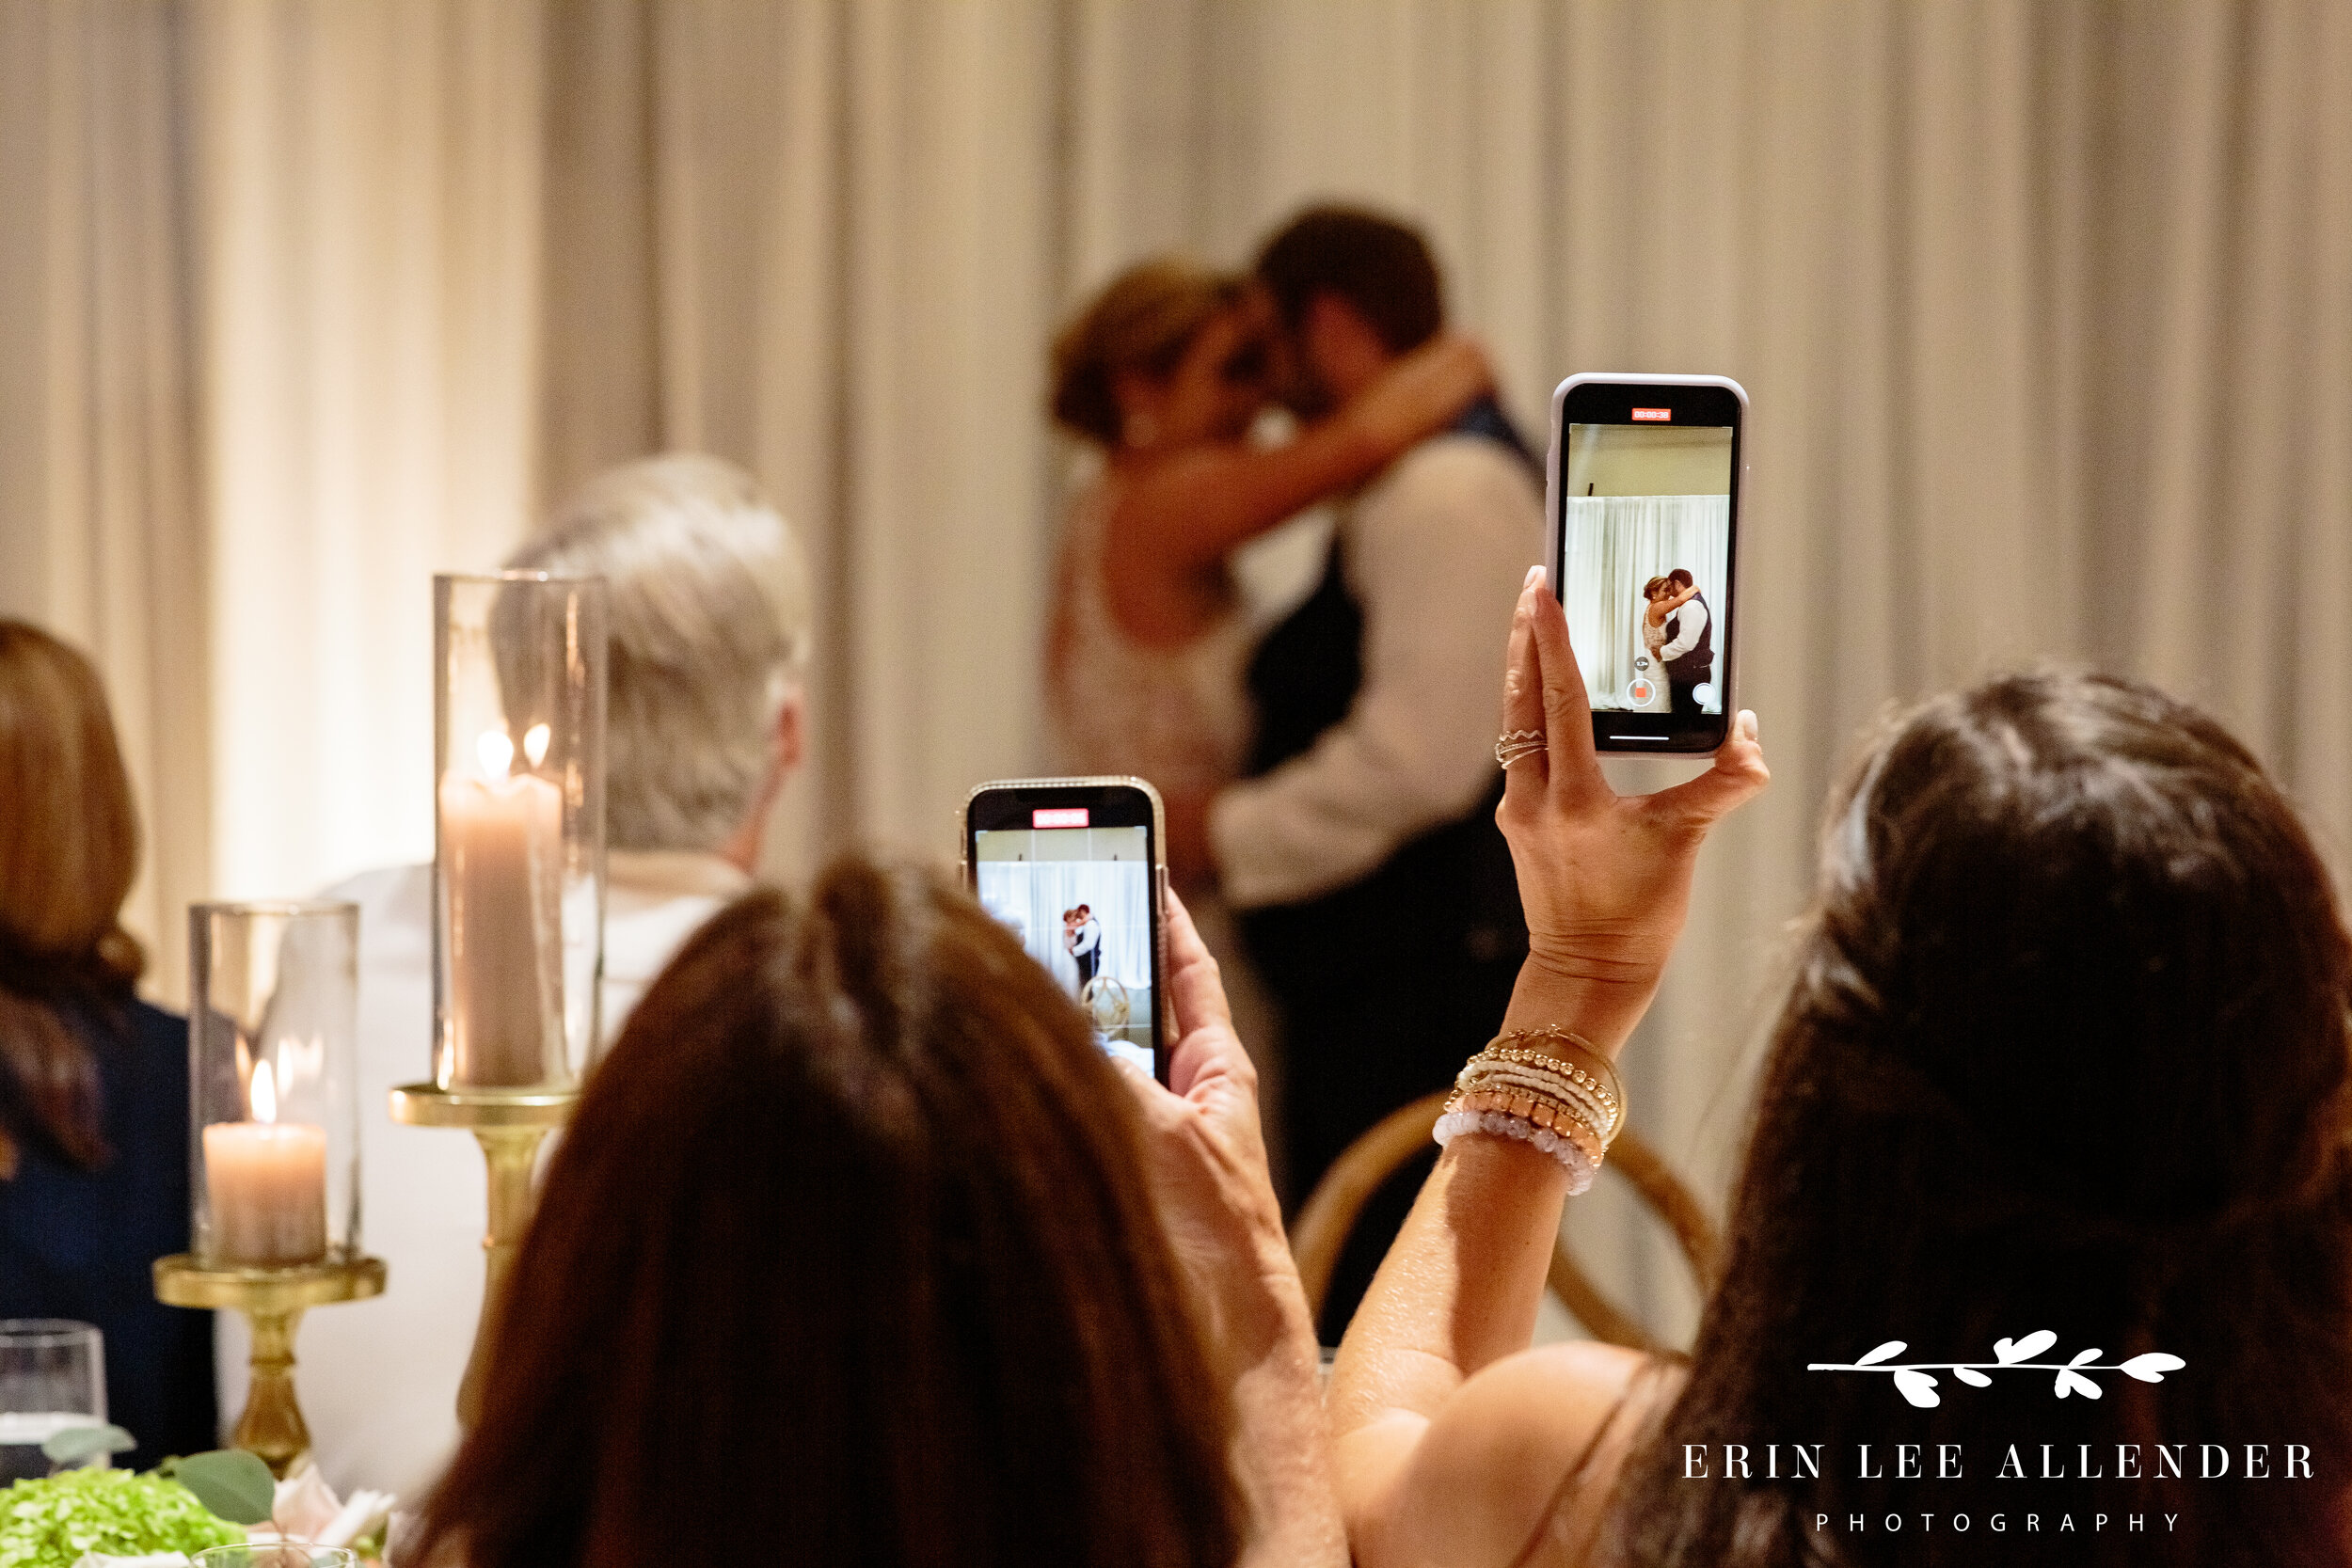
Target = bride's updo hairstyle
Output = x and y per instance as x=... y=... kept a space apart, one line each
x=847 y=1258
x=1141 y=323
x=2066 y=1051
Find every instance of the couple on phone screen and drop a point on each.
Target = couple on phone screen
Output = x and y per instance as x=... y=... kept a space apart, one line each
x=1674 y=655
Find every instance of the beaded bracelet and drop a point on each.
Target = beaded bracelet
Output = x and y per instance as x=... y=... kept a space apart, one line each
x=1581 y=1167
x=1565 y=1101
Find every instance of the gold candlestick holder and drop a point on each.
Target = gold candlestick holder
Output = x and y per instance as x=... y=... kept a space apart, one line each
x=273 y=1302
x=510 y=1125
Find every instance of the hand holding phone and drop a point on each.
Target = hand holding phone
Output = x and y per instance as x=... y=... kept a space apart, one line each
x=1644 y=481
x=1077 y=868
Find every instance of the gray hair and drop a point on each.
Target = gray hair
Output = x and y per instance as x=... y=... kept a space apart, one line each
x=710 y=632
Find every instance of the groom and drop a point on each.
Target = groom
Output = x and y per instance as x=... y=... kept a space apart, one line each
x=1375 y=896
x=1086 y=945
x=1688 y=651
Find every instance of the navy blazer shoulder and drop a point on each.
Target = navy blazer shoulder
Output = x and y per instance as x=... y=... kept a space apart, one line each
x=81 y=1245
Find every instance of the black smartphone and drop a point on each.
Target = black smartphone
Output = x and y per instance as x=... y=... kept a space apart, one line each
x=1077 y=868
x=1642 y=489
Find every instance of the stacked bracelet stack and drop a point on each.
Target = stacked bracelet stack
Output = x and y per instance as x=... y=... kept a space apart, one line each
x=1561 y=1095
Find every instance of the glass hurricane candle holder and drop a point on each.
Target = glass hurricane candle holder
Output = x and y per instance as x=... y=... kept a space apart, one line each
x=273 y=1150
x=273 y=1070
x=518 y=861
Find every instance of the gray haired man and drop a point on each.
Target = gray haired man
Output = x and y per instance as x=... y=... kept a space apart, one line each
x=709 y=597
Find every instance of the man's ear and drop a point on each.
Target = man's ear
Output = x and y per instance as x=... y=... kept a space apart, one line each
x=791 y=729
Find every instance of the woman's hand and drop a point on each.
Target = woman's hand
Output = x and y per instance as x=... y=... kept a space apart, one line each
x=1206 y=1155
x=1204 y=1146
x=1422 y=392
x=1605 y=878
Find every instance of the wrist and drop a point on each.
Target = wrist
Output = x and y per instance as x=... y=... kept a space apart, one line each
x=1601 y=1000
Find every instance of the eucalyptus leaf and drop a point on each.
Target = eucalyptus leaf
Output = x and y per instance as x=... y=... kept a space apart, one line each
x=77 y=1444
x=234 y=1484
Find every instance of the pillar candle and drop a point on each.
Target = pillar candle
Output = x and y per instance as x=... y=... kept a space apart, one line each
x=501 y=845
x=266 y=1182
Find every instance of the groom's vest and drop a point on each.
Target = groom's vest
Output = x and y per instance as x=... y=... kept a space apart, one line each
x=1699 y=663
x=1449 y=892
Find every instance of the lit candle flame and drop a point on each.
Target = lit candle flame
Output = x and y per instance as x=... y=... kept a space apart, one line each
x=535 y=744
x=264 y=1094
x=496 y=752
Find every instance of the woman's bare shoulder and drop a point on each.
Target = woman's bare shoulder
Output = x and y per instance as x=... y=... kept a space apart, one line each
x=1536 y=1435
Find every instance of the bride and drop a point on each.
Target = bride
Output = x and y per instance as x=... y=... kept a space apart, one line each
x=1164 y=372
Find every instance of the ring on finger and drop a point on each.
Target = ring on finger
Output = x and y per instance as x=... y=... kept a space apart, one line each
x=1513 y=745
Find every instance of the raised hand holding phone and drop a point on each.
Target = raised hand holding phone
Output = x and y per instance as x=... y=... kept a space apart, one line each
x=1605 y=878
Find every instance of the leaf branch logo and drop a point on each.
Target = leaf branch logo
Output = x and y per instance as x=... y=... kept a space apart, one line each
x=1912 y=1379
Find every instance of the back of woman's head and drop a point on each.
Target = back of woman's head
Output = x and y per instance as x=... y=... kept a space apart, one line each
x=847 y=1258
x=1140 y=323
x=69 y=850
x=2066 y=1050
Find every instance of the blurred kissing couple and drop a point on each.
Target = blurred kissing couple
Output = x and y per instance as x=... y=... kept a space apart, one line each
x=1329 y=778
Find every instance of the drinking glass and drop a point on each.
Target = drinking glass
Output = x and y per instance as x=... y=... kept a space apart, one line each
x=53 y=1378
x=276 y=1554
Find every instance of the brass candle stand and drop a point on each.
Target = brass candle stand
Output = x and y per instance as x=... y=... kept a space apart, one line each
x=273 y=1302
x=510 y=1124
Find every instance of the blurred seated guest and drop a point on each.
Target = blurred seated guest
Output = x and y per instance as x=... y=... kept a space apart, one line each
x=1375 y=895
x=860 y=1250
x=93 y=1082
x=1164 y=372
x=2061 y=1081
x=710 y=618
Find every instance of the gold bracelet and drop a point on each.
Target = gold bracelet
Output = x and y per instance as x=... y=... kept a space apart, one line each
x=1584 y=1062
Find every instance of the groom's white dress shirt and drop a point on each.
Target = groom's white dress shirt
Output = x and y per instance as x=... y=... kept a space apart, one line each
x=378 y=1379
x=1435 y=550
x=1689 y=621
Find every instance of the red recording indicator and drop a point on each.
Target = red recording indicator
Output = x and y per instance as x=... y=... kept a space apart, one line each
x=1657 y=416
x=1058 y=816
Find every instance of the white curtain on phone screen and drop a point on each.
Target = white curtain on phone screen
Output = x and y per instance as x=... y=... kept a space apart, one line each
x=1616 y=543
x=2045 y=307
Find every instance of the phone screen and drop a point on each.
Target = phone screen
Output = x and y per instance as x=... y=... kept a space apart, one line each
x=1647 y=488
x=1071 y=872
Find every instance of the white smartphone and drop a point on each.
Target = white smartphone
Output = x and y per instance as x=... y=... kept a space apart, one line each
x=1642 y=500
x=1077 y=868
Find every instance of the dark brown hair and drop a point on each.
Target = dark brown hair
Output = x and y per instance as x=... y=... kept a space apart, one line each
x=1142 y=322
x=69 y=851
x=1380 y=267
x=2066 y=1050
x=847 y=1258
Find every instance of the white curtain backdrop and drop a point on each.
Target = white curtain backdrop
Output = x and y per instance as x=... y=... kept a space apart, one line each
x=2045 y=309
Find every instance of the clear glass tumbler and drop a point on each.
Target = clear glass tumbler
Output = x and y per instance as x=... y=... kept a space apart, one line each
x=276 y=1554
x=53 y=1378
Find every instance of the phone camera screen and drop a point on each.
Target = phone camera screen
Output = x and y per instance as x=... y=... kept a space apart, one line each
x=1079 y=897
x=1646 y=561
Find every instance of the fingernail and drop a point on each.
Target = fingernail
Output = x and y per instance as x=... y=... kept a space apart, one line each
x=1534 y=574
x=1747 y=722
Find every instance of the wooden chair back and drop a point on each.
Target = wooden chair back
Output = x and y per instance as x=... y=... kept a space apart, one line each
x=1331 y=1210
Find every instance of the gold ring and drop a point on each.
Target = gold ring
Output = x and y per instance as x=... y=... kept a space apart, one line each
x=1513 y=745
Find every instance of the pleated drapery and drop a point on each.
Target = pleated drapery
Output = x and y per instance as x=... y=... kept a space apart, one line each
x=2046 y=310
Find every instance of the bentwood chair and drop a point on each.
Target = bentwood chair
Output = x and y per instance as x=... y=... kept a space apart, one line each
x=1331 y=1210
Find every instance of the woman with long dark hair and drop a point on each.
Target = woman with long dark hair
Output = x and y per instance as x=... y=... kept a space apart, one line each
x=93 y=1082
x=860 y=1250
x=2059 y=1099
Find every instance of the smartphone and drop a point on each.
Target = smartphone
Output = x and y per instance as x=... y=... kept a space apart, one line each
x=1642 y=496
x=1077 y=868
